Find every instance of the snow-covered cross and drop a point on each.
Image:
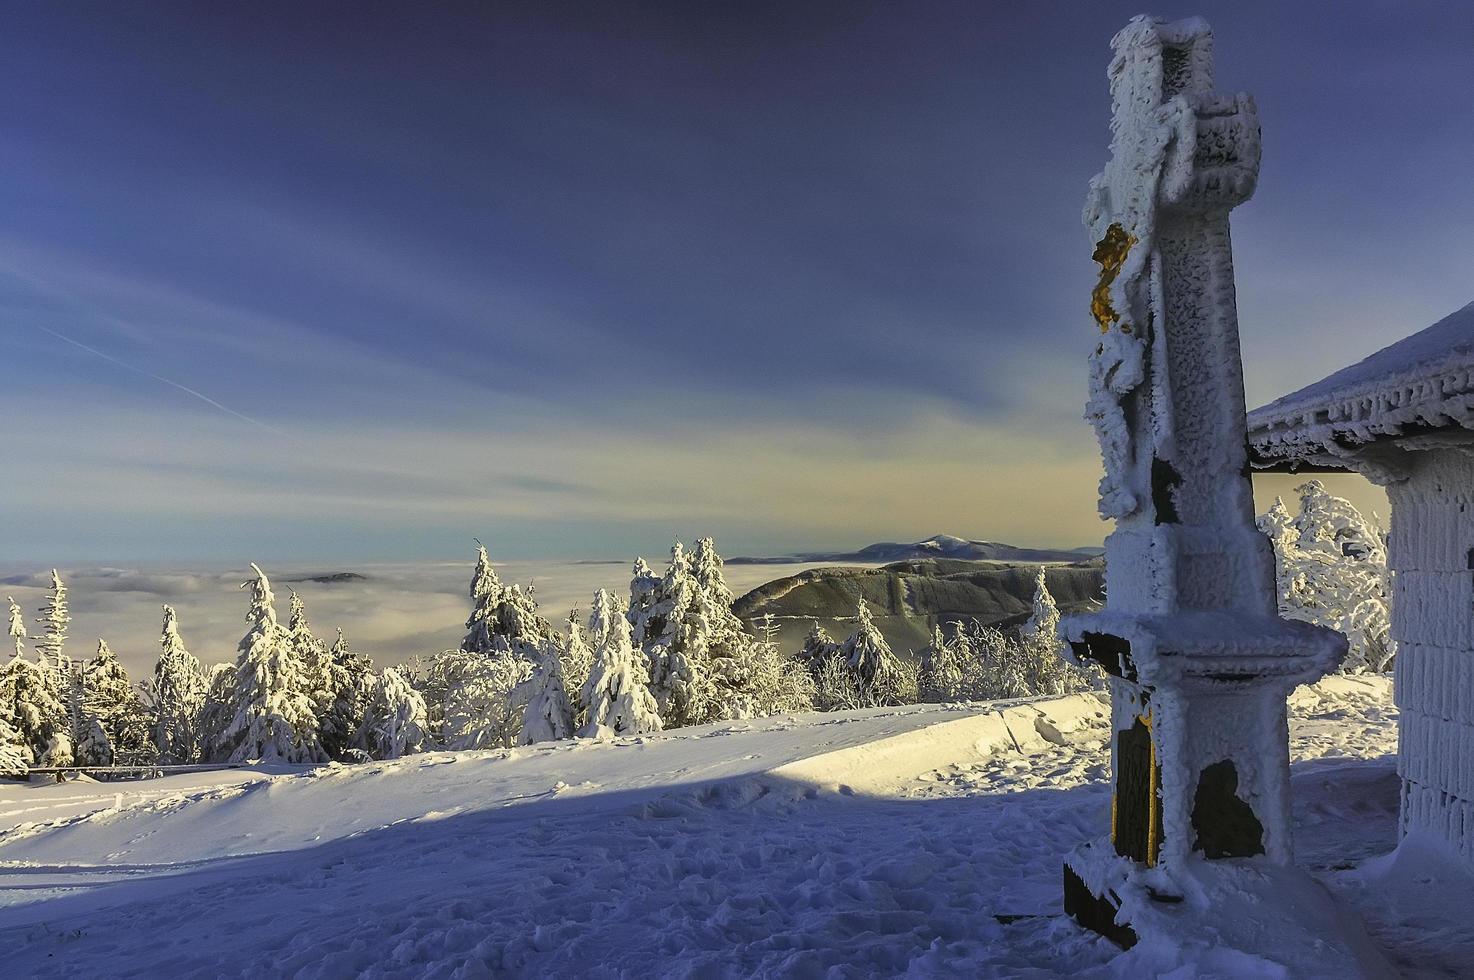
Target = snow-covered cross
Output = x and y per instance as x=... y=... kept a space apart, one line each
x=1199 y=663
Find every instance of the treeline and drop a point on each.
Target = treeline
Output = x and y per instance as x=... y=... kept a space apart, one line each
x=672 y=654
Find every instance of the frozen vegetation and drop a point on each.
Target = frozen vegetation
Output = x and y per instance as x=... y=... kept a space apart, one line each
x=669 y=655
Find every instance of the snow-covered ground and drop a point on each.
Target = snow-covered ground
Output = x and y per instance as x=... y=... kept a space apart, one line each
x=924 y=840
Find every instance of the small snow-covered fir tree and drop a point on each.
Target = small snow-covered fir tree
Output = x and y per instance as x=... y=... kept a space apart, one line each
x=1043 y=619
x=676 y=675
x=312 y=654
x=60 y=751
x=54 y=620
x=179 y=697
x=486 y=595
x=864 y=672
x=1043 y=665
x=519 y=626
x=868 y=654
x=274 y=719
x=706 y=569
x=818 y=647
x=549 y=714
x=395 y=720
x=616 y=695
x=110 y=700
x=92 y=746
x=940 y=675
x=30 y=705
x=504 y=619
x=15 y=754
x=644 y=594
x=1278 y=524
x=17 y=627
x=351 y=682
x=703 y=663
x=578 y=660
x=217 y=713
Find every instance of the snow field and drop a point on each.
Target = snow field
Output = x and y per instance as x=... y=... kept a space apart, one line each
x=907 y=841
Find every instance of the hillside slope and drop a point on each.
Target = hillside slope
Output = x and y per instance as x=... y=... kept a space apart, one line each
x=910 y=598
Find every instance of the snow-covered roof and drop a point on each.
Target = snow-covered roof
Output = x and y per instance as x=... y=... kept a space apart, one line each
x=1423 y=382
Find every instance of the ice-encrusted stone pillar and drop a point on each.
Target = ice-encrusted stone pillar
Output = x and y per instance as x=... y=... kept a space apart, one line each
x=1199 y=663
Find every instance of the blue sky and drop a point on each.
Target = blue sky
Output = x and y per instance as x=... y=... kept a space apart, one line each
x=324 y=281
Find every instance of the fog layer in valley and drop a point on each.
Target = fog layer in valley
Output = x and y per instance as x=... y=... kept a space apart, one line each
x=396 y=611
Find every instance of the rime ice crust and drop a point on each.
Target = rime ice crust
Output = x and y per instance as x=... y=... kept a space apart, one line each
x=1415 y=394
x=1176 y=146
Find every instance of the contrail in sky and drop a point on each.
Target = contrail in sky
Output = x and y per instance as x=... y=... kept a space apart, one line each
x=173 y=384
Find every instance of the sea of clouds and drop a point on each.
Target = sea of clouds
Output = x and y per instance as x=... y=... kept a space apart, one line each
x=398 y=610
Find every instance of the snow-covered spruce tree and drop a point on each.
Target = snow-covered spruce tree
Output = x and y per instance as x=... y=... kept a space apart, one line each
x=939 y=678
x=644 y=594
x=110 y=700
x=703 y=664
x=217 y=713
x=767 y=629
x=504 y=619
x=1043 y=620
x=351 y=682
x=818 y=647
x=1044 y=670
x=395 y=722
x=15 y=754
x=1330 y=569
x=549 y=713
x=618 y=700
x=33 y=709
x=519 y=622
x=92 y=747
x=484 y=682
x=706 y=569
x=179 y=697
x=311 y=653
x=677 y=677
x=837 y=687
x=578 y=660
x=53 y=620
x=17 y=627
x=274 y=720
x=869 y=658
x=486 y=595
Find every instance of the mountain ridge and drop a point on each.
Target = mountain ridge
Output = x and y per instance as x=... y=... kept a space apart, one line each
x=942 y=546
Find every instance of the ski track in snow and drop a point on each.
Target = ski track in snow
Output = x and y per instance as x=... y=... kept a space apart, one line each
x=691 y=858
